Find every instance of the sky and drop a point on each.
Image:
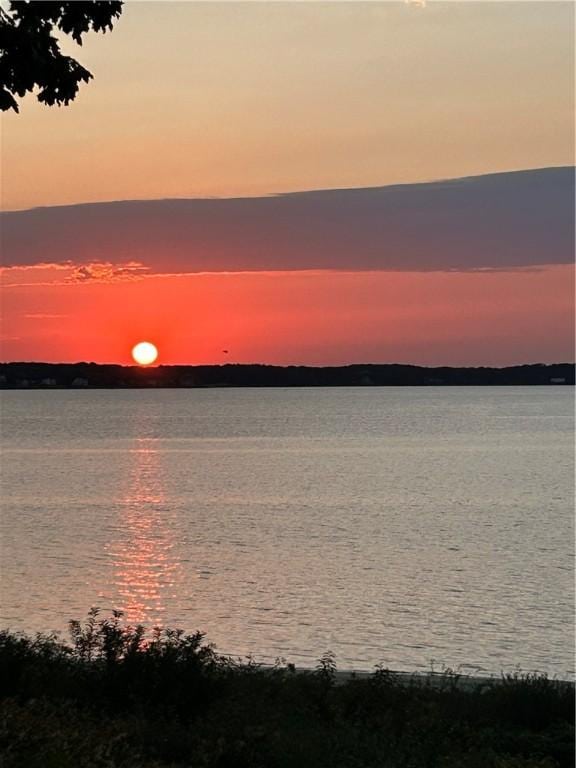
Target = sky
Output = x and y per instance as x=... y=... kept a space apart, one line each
x=300 y=183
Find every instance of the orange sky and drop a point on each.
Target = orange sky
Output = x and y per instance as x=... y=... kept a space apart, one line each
x=299 y=317
x=249 y=99
x=240 y=98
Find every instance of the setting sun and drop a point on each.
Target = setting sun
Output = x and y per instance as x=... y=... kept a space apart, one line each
x=144 y=353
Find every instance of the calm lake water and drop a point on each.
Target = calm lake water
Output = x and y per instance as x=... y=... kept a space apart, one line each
x=409 y=527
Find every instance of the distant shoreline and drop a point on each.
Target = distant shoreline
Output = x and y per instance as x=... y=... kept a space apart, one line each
x=34 y=375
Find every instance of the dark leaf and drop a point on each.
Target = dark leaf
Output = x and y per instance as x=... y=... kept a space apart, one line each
x=30 y=55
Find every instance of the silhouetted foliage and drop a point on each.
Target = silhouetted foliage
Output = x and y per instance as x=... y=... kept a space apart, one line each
x=23 y=375
x=30 y=54
x=120 y=697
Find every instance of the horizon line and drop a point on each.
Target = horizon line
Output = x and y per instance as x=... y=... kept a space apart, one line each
x=280 y=365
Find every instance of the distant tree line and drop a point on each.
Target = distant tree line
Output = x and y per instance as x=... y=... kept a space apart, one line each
x=78 y=375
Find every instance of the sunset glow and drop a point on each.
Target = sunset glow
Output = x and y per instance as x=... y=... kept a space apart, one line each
x=287 y=368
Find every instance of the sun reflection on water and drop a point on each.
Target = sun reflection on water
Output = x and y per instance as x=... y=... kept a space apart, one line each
x=145 y=565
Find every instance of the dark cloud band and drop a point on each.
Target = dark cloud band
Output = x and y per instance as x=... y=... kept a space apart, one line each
x=498 y=221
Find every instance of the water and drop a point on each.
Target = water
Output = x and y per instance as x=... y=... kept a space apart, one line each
x=409 y=527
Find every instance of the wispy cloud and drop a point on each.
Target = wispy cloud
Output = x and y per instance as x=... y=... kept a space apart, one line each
x=43 y=316
x=36 y=266
x=34 y=275
x=107 y=273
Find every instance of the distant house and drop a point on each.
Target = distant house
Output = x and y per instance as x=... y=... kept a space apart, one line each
x=80 y=382
x=558 y=380
x=48 y=382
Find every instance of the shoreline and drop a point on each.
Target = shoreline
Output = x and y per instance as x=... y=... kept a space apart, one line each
x=37 y=375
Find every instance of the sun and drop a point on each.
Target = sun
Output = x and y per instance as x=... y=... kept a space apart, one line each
x=144 y=353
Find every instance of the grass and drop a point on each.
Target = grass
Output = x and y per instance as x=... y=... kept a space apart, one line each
x=117 y=697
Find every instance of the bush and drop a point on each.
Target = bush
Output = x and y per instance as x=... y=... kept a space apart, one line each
x=119 y=697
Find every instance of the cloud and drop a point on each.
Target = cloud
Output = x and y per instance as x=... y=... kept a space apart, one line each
x=34 y=275
x=43 y=316
x=106 y=273
x=27 y=267
x=493 y=222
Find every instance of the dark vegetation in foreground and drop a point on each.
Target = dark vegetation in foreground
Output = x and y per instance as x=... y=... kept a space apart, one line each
x=119 y=698
x=46 y=375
